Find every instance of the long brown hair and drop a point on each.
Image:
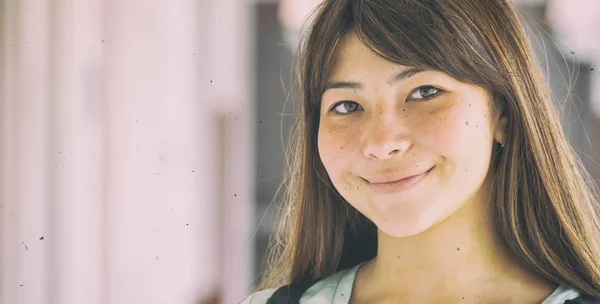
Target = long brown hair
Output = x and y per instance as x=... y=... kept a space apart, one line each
x=546 y=207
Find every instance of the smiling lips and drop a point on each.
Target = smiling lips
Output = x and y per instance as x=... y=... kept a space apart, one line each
x=393 y=186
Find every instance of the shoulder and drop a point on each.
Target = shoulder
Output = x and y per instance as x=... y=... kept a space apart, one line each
x=259 y=297
x=335 y=286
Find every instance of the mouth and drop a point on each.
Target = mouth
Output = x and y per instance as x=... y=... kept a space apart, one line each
x=393 y=186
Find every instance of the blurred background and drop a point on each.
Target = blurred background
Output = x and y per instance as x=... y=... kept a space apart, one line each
x=142 y=142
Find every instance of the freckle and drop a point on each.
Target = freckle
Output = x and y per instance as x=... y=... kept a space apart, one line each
x=469 y=105
x=467 y=123
x=398 y=257
x=477 y=126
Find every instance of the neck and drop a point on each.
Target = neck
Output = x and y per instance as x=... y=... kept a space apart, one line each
x=463 y=245
x=459 y=257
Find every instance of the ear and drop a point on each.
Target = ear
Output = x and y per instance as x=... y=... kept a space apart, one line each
x=501 y=128
x=500 y=115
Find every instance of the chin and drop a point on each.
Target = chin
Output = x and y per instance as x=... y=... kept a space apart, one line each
x=403 y=227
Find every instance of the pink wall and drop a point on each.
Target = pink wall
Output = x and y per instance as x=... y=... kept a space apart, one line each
x=110 y=140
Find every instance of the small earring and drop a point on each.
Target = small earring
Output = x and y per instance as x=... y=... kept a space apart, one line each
x=502 y=140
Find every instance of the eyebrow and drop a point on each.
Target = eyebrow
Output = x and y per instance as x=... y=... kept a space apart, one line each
x=358 y=86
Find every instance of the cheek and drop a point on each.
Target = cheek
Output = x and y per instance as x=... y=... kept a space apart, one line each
x=462 y=137
x=337 y=146
x=462 y=126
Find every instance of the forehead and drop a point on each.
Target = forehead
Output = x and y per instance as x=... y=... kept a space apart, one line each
x=352 y=58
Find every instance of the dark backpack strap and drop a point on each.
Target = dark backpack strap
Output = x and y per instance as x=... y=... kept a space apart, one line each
x=289 y=294
x=583 y=299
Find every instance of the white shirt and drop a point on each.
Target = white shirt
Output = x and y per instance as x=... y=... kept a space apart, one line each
x=337 y=289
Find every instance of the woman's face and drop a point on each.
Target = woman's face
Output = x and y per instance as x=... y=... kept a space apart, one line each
x=406 y=148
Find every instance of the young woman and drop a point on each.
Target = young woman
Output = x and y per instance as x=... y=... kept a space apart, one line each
x=430 y=165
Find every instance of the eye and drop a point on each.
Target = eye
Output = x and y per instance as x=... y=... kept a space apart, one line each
x=425 y=92
x=346 y=107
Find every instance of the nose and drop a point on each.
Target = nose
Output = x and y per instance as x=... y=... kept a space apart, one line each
x=386 y=140
x=386 y=149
